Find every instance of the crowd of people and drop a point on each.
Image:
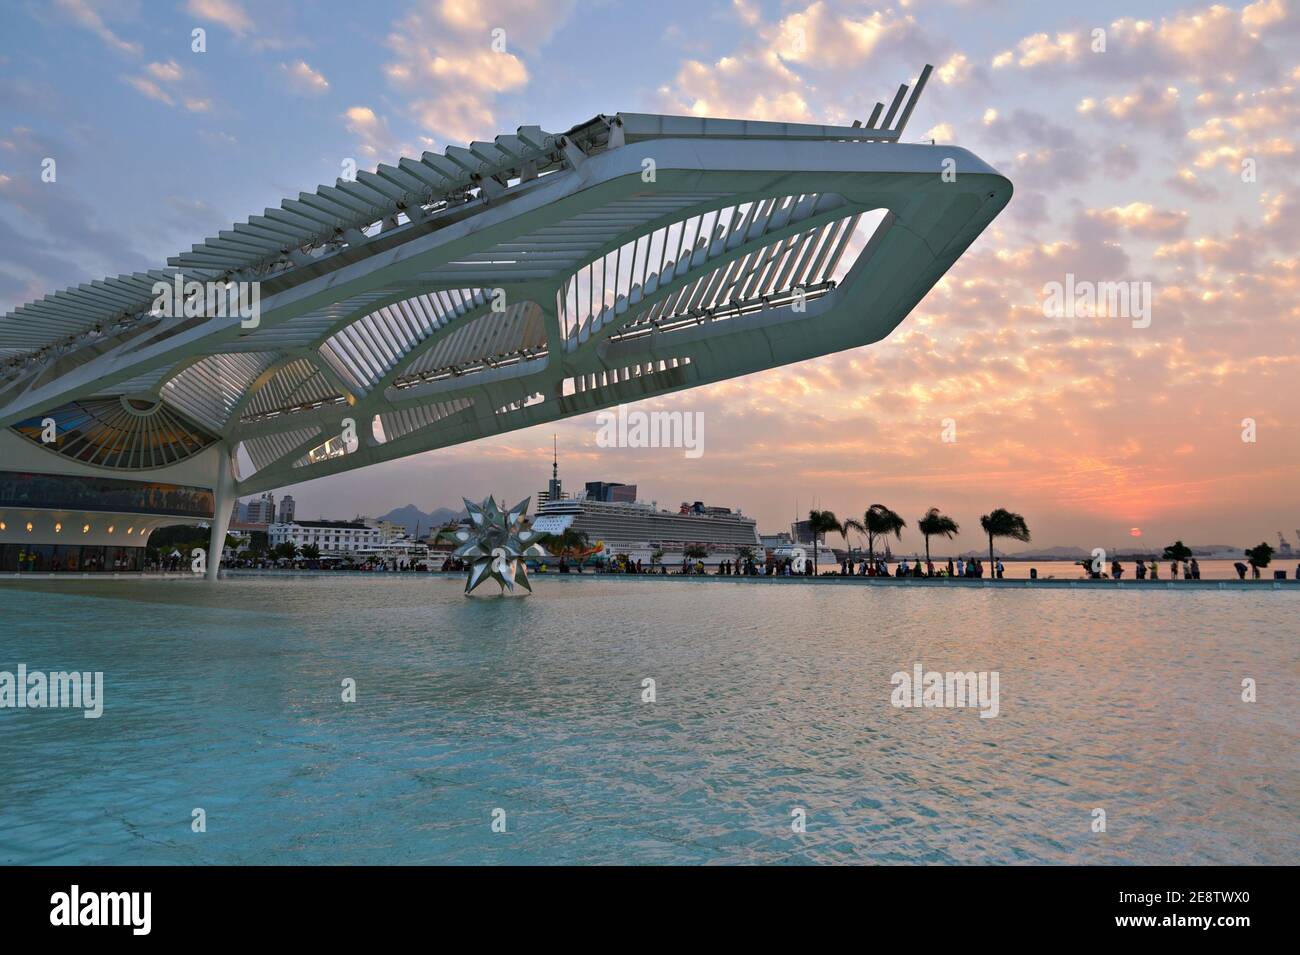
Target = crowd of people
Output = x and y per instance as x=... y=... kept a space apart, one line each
x=1149 y=570
x=958 y=567
x=31 y=559
x=954 y=567
x=772 y=566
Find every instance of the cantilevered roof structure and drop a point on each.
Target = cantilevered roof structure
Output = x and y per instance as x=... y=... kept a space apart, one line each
x=494 y=287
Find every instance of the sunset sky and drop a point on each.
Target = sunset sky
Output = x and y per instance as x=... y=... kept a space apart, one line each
x=1127 y=163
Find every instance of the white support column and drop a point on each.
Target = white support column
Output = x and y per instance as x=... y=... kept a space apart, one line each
x=223 y=495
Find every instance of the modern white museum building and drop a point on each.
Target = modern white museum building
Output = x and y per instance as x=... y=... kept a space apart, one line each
x=462 y=294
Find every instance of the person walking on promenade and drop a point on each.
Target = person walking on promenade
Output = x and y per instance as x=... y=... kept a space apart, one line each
x=961 y=567
x=1116 y=569
x=1196 y=570
x=1001 y=568
x=1155 y=570
x=951 y=573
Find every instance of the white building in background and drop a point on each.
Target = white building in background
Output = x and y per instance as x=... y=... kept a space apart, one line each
x=331 y=537
x=390 y=530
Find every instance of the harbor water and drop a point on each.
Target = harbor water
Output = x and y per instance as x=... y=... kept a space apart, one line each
x=773 y=712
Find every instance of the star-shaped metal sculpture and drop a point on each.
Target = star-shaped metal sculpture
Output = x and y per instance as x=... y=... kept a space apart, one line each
x=495 y=545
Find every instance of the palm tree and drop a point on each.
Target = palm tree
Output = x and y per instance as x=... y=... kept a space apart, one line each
x=1003 y=523
x=694 y=552
x=1177 y=551
x=310 y=552
x=879 y=521
x=849 y=524
x=935 y=522
x=821 y=522
x=569 y=542
x=1261 y=555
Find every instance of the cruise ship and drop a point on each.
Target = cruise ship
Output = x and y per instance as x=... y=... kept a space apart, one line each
x=639 y=530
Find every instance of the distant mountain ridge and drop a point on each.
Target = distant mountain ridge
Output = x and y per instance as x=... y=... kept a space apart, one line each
x=411 y=517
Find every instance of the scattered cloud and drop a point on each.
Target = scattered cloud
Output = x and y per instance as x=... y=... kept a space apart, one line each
x=957 y=69
x=85 y=15
x=453 y=60
x=149 y=88
x=1142 y=219
x=51 y=236
x=227 y=13
x=169 y=72
x=166 y=83
x=374 y=137
x=303 y=79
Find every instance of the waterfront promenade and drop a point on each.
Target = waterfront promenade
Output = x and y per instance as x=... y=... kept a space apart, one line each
x=1042 y=583
x=968 y=583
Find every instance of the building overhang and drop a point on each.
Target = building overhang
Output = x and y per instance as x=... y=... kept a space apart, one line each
x=493 y=288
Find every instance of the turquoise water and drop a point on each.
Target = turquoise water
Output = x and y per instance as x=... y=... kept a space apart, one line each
x=227 y=697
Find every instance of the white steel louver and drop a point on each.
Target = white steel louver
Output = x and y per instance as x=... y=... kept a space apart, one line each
x=366 y=350
x=606 y=288
x=485 y=341
x=297 y=384
x=265 y=450
x=209 y=390
x=399 y=424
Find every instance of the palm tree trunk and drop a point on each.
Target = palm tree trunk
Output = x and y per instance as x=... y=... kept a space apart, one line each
x=814 y=553
x=990 y=552
x=927 y=551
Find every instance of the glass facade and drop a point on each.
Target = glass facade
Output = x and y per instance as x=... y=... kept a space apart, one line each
x=76 y=492
x=70 y=557
x=118 y=433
